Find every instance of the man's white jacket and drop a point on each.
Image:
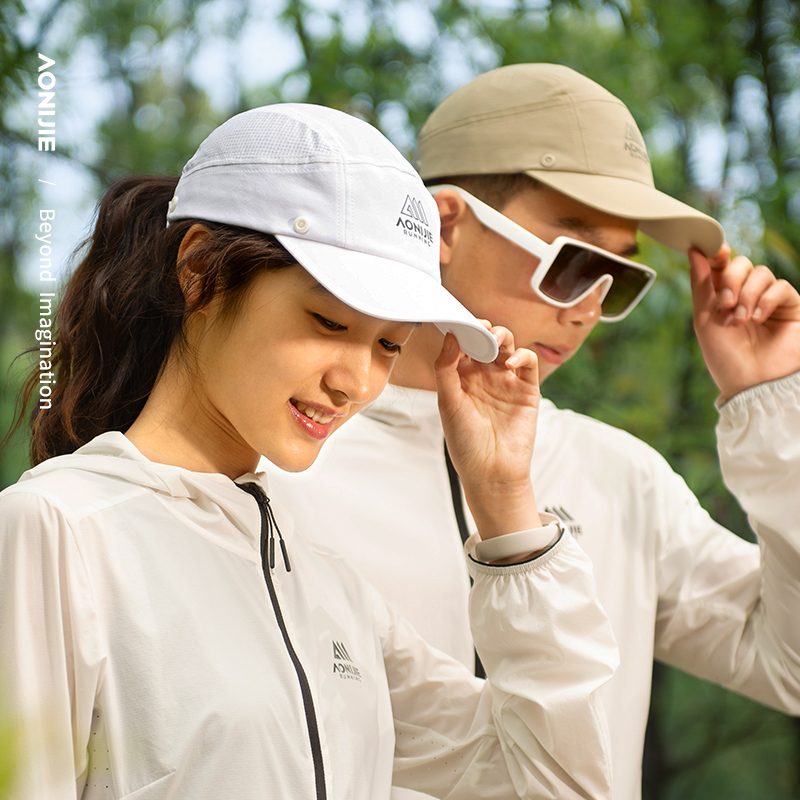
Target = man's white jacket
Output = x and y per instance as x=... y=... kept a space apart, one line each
x=676 y=585
x=147 y=653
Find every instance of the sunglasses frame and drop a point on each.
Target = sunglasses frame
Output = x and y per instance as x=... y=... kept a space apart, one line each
x=546 y=253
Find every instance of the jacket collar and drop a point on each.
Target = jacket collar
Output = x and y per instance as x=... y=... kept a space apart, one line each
x=400 y=407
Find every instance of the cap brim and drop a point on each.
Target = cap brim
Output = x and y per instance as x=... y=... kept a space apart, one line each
x=391 y=290
x=660 y=216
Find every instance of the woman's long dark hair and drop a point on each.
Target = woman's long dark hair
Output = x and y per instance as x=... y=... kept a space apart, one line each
x=123 y=311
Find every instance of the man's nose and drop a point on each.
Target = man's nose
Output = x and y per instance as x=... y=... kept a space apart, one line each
x=588 y=310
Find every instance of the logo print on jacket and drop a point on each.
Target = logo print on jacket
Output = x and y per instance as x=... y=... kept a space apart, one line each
x=413 y=221
x=342 y=663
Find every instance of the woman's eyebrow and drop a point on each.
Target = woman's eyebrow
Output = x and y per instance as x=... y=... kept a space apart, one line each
x=318 y=289
x=322 y=293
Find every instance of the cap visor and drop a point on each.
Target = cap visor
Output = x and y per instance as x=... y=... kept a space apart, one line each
x=391 y=290
x=660 y=216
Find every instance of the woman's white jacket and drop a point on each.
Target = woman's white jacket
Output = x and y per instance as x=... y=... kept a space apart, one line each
x=146 y=653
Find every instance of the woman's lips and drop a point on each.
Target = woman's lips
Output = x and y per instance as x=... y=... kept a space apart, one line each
x=315 y=420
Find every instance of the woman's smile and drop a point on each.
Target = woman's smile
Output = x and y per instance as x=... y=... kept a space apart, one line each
x=316 y=421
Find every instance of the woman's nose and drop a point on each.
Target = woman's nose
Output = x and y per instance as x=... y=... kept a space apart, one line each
x=350 y=375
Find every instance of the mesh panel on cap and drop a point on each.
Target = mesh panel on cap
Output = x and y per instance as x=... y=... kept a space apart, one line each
x=260 y=137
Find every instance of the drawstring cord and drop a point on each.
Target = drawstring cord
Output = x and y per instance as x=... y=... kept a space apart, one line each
x=284 y=553
x=269 y=526
x=272 y=529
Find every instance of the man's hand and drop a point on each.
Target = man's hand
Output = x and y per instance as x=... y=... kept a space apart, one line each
x=746 y=320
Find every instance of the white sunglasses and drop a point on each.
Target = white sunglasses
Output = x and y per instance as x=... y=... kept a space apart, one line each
x=569 y=270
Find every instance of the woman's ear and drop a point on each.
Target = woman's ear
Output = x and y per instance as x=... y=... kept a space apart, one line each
x=191 y=270
x=452 y=209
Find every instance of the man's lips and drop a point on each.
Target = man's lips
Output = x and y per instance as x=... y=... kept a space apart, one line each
x=552 y=354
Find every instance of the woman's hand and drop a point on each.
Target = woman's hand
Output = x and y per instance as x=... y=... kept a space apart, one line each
x=489 y=414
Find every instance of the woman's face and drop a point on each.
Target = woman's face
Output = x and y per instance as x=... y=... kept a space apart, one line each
x=287 y=368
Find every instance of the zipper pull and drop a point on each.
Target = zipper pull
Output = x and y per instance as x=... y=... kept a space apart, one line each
x=268 y=526
x=285 y=553
x=274 y=527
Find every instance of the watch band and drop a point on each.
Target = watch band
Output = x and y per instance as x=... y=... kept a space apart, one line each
x=516 y=544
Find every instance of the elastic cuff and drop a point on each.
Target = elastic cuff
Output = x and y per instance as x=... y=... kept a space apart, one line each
x=740 y=399
x=519 y=543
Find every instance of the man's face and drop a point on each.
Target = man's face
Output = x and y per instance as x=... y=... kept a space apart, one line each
x=491 y=276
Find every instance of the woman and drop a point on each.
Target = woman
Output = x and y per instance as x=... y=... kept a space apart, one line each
x=156 y=643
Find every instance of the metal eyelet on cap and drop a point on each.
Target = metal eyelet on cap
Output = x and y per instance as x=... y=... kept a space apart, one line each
x=302 y=224
x=548 y=160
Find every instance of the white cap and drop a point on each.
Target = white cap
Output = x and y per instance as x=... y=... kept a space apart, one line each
x=342 y=200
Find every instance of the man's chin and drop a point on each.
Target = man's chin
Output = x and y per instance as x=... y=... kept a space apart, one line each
x=544 y=374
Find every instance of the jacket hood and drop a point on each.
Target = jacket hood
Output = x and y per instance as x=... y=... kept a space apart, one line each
x=113 y=454
x=113 y=457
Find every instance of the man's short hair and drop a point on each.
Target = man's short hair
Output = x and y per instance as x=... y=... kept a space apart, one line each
x=496 y=190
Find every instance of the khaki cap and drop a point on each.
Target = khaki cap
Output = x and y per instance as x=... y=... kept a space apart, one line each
x=566 y=131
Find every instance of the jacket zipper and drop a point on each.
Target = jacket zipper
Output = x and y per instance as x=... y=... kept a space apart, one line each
x=267 y=542
x=461 y=521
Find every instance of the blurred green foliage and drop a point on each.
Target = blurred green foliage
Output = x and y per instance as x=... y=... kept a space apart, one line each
x=714 y=84
x=8 y=757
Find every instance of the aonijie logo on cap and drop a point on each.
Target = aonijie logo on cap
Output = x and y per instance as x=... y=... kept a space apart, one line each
x=413 y=221
x=634 y=144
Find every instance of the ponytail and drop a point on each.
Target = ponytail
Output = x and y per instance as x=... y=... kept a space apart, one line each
x=123 y=311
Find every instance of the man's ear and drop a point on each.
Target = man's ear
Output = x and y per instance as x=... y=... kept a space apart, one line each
x=452 y=210
x=190 y=270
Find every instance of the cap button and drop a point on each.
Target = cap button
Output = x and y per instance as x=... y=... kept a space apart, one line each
x=548 y=160
x=173 y=203
x=302 y=224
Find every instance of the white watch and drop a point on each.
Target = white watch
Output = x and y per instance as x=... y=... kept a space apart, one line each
x=516 y=544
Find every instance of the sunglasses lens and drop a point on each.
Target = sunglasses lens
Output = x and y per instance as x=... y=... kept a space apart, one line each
x=574 y=270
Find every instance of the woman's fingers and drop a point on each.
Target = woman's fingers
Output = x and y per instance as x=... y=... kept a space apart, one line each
x=521 y=361
x=518 y=359
x=525 y=364
x=505 y=344
x=445 y=367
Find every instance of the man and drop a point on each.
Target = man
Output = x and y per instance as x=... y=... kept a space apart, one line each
x=560 y=156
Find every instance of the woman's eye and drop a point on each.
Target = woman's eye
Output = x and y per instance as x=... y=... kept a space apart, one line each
x=390 y=346
x=329 y=323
